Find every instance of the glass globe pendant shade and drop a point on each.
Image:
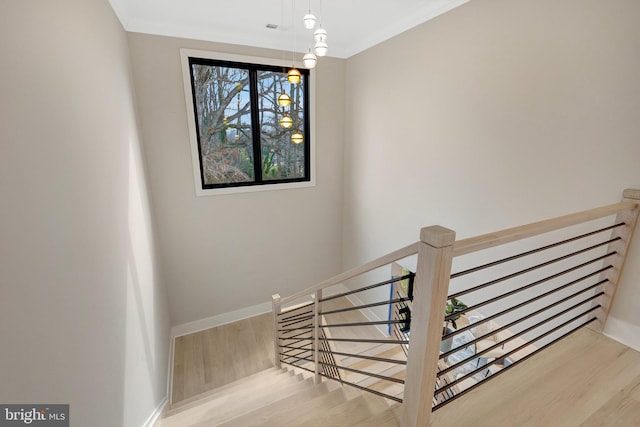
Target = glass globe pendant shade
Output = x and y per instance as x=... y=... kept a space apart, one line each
x=321 y=48
x=284 y=100
x=309 y=21
x=320 y=35
x=309 y=60
x=297 y=137
x=286 y=121
x=293 y=76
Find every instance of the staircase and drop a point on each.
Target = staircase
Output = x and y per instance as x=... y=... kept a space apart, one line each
x=385 y=369
x=283 y=397
x=342 y=372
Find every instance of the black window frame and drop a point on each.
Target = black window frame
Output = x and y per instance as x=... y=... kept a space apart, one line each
x=253 y=69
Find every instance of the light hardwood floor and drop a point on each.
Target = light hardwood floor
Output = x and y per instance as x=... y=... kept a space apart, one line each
x=214 y=357
x=586 y=379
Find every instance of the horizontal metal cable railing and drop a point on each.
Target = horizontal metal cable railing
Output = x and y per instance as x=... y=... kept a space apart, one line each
x=401 y=310
x=512 y=293
x=351 y=348
x=391 y=369
x=294 y=332
x=549 y=292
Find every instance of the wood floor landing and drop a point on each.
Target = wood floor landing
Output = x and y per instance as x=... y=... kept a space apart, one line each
x=585 y=380
x=218 y=356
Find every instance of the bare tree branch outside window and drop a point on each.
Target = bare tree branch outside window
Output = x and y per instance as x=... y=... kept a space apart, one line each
x=237 y=114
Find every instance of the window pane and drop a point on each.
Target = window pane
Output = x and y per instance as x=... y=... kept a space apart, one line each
x=224 y=123
x=281 y=158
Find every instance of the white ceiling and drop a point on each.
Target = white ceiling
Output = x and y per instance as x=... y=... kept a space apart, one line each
x=352 y=25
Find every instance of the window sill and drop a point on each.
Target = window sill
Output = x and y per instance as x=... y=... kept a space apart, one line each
x=253 y=188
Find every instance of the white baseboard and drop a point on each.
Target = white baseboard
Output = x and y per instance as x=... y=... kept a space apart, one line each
x=155 y=415
x=234 y=316
x=172 y=351
x=623 y=332
x=220 y=319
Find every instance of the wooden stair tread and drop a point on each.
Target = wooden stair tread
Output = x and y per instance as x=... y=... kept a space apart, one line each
x=386 y=350
x=388 y=418
x=341 y=407
x=388 y=353
x=347 y=413
x=302 y=413
x=227 y=406
x=396 y=371
x=262 y=415
x=380 y=368
x=269 y=376
x=288 y=397
x=278 y=398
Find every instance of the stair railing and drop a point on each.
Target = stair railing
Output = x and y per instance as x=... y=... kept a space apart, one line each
x=389 y=373
x=310 y=335
x=528 y=295
x=524 y=289
x=564 y=296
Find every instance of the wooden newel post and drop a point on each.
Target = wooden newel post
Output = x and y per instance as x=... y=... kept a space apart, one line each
x=427 y=317
x=621 y=248
x=275 y=302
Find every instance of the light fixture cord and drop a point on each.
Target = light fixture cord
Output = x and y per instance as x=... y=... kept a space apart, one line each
x=293 y=24
x=284 y=52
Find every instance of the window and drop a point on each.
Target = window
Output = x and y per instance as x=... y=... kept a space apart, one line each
x=235 y=117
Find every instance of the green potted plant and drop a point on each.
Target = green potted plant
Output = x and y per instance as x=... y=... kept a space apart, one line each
x=453 y=306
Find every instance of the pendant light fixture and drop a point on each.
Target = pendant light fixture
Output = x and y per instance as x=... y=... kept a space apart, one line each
x=321 y=47
x=309 y=60
x=293 y=75
x=297 y=137
x=320 y=35
x=284 y=100
x=286 y=121
x=309 y=19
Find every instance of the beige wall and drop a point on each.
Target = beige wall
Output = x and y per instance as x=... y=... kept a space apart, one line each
x=498 y=113
x=83 y=313
x=226 y=253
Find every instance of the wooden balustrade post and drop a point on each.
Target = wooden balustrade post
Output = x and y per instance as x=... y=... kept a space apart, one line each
x=316 y=336
x=621 y=247
x=275 y=303
x=427 y=318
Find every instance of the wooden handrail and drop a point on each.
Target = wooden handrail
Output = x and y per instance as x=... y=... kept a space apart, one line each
x=284 y=310
x=485 y=241
x=349 y=274
x=477 y=243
